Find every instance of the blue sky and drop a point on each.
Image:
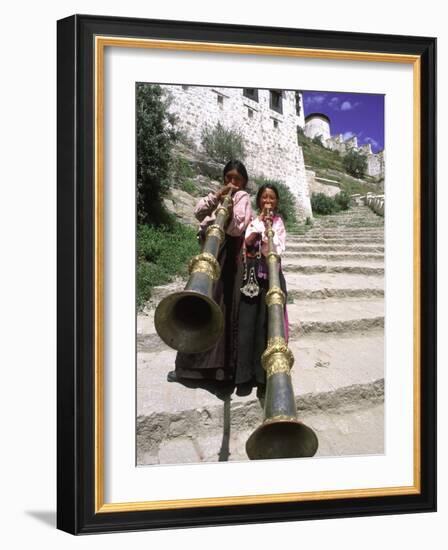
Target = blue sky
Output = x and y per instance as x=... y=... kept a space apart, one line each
x=361 y=115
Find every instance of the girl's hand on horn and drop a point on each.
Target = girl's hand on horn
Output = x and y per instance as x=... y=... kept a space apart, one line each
x=229 y=187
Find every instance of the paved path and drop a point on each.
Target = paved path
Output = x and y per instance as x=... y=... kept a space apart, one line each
x=335 y=279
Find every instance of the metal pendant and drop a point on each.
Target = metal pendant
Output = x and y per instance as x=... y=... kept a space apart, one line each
x=251 y=288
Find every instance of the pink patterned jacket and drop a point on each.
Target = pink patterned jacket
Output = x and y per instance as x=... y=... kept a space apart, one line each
x=242 y=212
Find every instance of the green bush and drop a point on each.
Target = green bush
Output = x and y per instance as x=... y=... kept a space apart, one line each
x=355 y=163
x=343 y=200
x=162 y=253
x=317 y=140
x=222 y=144
x=324 y=205
x=181 y=169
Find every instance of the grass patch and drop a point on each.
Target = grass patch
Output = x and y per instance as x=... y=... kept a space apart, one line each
x=189 y=187
x=162 y=253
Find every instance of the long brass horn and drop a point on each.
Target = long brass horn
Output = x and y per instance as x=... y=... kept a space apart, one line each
x=281 y=434
x=190 y=320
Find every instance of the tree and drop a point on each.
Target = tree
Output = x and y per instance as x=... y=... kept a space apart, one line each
x=355 y=163
x=223 y=144
x=155 y=139
x=317 y=140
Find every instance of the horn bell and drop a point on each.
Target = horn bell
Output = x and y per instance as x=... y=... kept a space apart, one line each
x=189 y=321
x=282 y=439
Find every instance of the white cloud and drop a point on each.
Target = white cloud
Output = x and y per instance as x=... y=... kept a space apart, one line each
x=334 y=102
x=348 y=105
x=371 y=141
x=315 y=100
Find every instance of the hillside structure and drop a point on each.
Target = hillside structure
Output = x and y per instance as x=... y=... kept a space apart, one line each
x=319 y=125
x=268 y=120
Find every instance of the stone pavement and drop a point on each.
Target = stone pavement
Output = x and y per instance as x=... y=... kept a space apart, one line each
x=335 y=280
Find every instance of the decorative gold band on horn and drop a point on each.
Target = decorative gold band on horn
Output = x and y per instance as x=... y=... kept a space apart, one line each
x=270 y=232
x=275 y=295
x=215 y=231
x=205 y=263
x=277 y=357
x=277 y=365
x=273 y=257
x=223 y=210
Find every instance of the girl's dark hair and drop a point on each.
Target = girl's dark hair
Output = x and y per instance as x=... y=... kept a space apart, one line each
x=239 y=167
x=262 y=189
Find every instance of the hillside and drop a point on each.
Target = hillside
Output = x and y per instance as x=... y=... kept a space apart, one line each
x=329 y=169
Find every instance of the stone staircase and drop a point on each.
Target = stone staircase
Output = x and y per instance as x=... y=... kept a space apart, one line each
x=335 y=280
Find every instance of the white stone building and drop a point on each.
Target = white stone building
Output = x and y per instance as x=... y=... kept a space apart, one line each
x=267 y=119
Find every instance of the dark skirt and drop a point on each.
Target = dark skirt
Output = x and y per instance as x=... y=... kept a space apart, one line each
x=253 y=331
x=215 y=368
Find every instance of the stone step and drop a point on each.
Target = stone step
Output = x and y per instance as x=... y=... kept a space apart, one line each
x=334 y=225
x=330 y=372
x=332 y=256
x=297 y=260
x=323 y=363
x=352 y=269
x=306 y=286
x=305 y=317
x=322 y=247
x=324 y=293
x=371 y=218
x=334 y=240
x=342 y=234
x=348 y=220
x=335 y=315
x=352 y=214
x=333 y=285
x=221 y=436
x=346 y=230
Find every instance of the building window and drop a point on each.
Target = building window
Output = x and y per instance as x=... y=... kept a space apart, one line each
x=220 y=100
x=250 y=113
x=251 y=93
x=184 y=87
x=298 y=103
x=275 y=101
x=275 y=123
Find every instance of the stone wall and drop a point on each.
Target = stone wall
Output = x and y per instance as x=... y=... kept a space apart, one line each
x=270 y=136
x=375 y=164
x=316 y=185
